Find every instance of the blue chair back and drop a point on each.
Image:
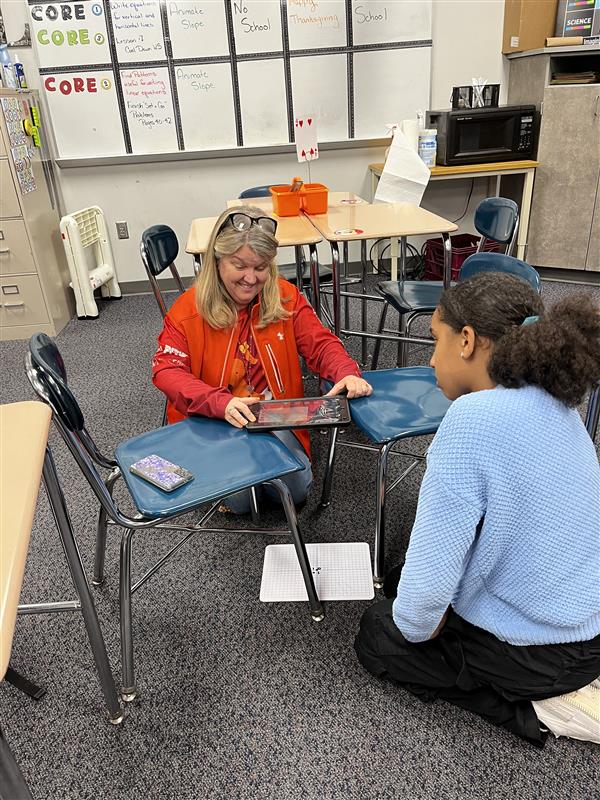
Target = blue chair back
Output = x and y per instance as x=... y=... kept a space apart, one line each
x=498 y=262
x=496 y=218
x=256 y=191
x=47 y=368
x=161 y=248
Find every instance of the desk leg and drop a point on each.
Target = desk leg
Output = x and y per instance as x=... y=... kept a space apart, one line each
x=65 y=529
x=525 y=211
x=363 y=302
x=592 y=417
x=314 y=279
x=394 y=258
x=335 y=278
x=447 y=260
x=346 y=299
x=299 y=268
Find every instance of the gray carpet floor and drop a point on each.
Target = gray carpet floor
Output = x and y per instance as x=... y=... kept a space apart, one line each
x=239 y=699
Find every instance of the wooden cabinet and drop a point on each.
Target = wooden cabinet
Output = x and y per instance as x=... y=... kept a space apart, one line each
x=564 y=230
x=34 y=277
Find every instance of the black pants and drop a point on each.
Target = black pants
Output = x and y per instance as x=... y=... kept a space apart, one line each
x=471 y=668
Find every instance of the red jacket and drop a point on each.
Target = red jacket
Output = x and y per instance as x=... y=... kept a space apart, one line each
x=193 y=362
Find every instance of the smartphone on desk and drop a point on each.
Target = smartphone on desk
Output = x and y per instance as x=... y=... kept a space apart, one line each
x=160 y=472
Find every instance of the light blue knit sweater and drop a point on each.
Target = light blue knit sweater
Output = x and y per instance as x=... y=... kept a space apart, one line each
x=524 y=462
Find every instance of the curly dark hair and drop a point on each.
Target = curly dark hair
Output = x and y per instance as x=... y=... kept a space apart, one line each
x=560 y=352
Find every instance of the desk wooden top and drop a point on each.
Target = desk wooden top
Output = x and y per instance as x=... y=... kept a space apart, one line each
x=333 y=199
x=496 y=166
x=291 y=231
x=23 y=436
x=354 y=222
x=462 y=169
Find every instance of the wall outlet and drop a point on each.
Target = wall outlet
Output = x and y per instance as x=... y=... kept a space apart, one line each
x=122 y=230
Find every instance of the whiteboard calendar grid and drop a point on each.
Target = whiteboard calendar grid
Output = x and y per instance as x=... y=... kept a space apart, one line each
x=340 y=572
x=119 y=77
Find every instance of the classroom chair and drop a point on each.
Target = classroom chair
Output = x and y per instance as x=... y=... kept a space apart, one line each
x=405 y=403
x=223 y=460
x=496 y=219
x=159 y=248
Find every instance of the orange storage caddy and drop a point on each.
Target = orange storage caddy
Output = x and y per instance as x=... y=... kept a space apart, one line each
x=314 y=199
x=285 y=202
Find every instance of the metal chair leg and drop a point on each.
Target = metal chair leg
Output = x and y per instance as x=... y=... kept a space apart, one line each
x=380 y=327
x=402 y=344
x=129 y=690
x=328 y=479
x=379 y=556
x=101 y=531
x=63 y=523
x=254 y=512
x=316 y=607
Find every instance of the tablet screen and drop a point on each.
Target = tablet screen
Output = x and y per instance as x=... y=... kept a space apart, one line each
x=302 y=413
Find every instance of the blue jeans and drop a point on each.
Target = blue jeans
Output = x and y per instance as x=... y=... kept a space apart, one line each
x=299 y=483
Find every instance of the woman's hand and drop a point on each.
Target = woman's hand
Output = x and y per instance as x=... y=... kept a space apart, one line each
x=353 y=386
x=237 y=412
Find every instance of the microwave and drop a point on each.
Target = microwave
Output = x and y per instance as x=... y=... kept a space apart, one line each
x=484 y=135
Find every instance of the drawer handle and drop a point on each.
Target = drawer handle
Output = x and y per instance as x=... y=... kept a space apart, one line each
x=4 y=251
x=13 y=305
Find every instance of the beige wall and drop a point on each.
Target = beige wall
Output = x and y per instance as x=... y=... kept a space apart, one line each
x=467 y=37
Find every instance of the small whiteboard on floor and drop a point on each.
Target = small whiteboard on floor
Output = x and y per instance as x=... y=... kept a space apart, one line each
x=340 y=572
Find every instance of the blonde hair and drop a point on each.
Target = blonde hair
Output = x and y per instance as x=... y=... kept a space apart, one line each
x=212 y=299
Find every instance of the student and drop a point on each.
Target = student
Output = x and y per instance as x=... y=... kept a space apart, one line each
x=236 y=337
x=498 y=602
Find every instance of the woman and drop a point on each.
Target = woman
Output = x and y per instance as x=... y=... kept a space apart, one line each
x=498 y=602
x=236 y=338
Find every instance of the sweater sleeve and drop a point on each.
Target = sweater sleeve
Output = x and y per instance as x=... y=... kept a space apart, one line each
x=323 y=351
x=171 y=374
x=451 y=505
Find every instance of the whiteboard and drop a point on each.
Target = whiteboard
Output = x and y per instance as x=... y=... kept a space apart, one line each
x=206 y=102
x=263 y=102
x=326 y=101
x=138 y=30
x=150 y=116
x=197 y=27
x=402 y=77
x=316 y=24
x=91 y=108
x=161 y=76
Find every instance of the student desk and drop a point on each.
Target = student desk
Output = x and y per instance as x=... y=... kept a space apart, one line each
x=350 y=223
x=496 y=170
x=291 y=232
x=24 y=458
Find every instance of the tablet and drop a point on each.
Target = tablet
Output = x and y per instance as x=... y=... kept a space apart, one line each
x=306 y=412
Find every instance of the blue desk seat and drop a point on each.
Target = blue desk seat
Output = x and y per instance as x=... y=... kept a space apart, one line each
x=405 y=403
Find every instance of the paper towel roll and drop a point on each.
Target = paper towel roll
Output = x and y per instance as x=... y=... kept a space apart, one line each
x=411 y=131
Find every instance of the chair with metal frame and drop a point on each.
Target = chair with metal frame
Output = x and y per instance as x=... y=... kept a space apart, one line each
x=159 y=248
x=496 y=219
x=405 y=403
x=238 y=460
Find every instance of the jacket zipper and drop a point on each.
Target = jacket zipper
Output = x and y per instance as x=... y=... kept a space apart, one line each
x=271 y=355
x=222 y=383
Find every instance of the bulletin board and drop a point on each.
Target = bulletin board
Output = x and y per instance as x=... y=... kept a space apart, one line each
x=161 y=76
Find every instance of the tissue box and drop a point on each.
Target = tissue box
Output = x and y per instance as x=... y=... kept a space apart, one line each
x=527 y=23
